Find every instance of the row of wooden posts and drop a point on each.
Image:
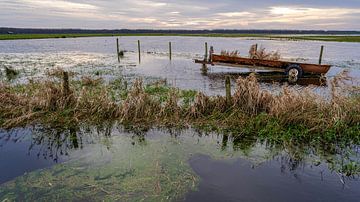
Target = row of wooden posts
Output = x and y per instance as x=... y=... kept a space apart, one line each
x=139 y=50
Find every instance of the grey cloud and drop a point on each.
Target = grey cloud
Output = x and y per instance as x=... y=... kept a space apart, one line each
x=181 y=14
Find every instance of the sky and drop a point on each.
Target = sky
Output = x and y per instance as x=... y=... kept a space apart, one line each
x=182 y=14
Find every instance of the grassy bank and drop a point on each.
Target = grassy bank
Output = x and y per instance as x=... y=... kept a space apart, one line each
x=263 y=36
x=291 y=115
x=321 y=38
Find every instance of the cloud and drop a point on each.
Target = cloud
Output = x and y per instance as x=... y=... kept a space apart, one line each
x=235 y=14
x=303 y=15
x=182 y=14
x=59 y=5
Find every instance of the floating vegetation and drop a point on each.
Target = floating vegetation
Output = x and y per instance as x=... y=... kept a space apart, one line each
x=121 y=53
x=10 y=73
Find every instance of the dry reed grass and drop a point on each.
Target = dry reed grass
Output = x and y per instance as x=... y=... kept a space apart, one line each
x=44 y=102
x=262 y=54
x=230 y=54
x=139 y=106
x=250 y=98
x=88 y=81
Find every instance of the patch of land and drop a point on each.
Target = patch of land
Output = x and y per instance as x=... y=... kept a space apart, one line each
x=335 y=38
x=320 y=38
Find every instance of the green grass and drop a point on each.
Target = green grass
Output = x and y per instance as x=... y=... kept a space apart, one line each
x=46 y=36
x=321 y=38
x=276 y=37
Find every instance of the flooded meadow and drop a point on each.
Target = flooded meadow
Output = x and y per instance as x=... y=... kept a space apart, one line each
x=117 y=162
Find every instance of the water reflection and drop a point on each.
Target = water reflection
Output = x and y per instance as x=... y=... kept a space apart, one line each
x=52 y=143
x=271 y=78
x=109 y=155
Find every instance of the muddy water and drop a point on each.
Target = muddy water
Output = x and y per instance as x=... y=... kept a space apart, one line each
x=110 y=163
x=97 y=57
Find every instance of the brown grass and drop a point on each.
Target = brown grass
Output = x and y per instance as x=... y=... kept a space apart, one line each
x=88 y=81
x=46 y=102
x=262 y=54
x=230 y=54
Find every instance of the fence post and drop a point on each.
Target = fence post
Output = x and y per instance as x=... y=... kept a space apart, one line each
x=139 y=50
x=117 y=49
x=66 y=87
x=206 y=51
x=228 y=90
x=170 y=52
x=321 y=54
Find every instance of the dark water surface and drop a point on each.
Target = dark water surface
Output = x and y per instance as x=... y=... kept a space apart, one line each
x=239 y=180
x=16 y=158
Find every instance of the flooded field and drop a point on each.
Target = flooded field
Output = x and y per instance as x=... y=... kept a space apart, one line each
x=113 y=163
x=97 y=57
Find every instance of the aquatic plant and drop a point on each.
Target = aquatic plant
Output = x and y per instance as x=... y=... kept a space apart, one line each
x=10 y=73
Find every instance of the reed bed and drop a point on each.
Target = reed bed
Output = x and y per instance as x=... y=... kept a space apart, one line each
x=252 y=110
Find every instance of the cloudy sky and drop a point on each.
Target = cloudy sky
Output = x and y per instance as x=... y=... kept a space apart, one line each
x=182 y=14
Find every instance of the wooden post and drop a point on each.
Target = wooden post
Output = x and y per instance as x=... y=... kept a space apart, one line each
x=117 y=49
x=170 y=52
x=204 y=69
x=139 y=50
x=228 y=90
x=210 y=53
x=321 y=54
x=66 y=87
x=206 y=51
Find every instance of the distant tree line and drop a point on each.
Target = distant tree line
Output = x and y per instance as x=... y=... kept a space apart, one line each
x=5 y=30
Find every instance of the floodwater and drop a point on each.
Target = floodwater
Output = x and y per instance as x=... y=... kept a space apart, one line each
x=97 y=57
x=111 y=163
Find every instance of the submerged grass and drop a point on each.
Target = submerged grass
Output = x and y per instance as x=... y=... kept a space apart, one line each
x=300 y=115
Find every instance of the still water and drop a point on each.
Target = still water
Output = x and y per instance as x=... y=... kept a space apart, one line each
x=97 y=57
x=111 y=163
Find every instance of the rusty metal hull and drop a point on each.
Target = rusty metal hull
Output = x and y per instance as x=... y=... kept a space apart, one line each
x=307 y=68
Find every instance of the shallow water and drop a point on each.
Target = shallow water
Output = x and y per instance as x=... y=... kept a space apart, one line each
x=270 y=181
x=110 y=163
x=97 y=57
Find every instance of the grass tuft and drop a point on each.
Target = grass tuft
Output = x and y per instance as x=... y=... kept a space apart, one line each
x=304 y=114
